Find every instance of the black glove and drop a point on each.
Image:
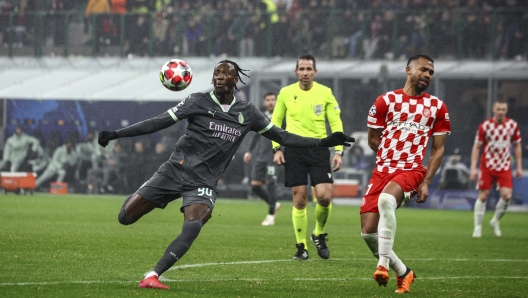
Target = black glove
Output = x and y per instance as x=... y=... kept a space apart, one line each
x=336 y=139
x=106 y=136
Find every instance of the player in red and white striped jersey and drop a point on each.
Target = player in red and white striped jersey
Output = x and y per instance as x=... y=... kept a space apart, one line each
x=400 y=124
x=495 y=136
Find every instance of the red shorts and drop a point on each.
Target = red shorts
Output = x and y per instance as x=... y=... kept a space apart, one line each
x=407 y=180
x=487 y=177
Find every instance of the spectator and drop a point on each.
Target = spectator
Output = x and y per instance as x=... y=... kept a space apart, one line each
x=93 y=8
x=39 y=160
x=118 y=8
x=138 y=37
x=16 y=150
x=282 y=36
x=138 y=163
x=89 y=154
x=248 y=28
x=63 y=161
x=172 y=36
x=57 y=9
x=159 y=33
x=370 y=45
x=113 y=166
x=193 y=38
x=444 y=42
x=358 y=160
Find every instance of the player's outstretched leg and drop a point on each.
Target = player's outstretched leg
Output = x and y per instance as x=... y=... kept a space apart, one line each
x=479 y=210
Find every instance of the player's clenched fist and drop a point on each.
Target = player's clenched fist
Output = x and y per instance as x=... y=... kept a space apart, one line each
x=106 y=136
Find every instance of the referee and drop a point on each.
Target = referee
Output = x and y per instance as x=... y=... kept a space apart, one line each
x=307 y=105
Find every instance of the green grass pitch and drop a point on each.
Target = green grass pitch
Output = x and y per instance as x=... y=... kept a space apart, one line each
x=73 y=246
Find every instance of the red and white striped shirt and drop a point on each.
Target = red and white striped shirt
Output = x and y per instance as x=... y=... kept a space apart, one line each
x=408 y=122
x=496 y=139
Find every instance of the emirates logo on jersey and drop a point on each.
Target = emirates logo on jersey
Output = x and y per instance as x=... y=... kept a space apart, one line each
x=426 y=112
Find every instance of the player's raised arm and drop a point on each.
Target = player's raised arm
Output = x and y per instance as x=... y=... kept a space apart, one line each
x=292 y=140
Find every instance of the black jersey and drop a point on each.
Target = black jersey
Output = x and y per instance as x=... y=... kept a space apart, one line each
x=213 y=135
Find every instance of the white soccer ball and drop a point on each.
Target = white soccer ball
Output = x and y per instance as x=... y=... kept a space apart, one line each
x=175 y=75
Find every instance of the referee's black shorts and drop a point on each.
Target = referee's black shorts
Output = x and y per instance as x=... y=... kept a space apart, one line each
x=301 y=162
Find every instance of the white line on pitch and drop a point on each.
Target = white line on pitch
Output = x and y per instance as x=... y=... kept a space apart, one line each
x=360 y=259
x=44 y=283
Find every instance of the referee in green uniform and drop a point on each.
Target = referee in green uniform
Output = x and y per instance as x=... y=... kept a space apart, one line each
x=307 y=105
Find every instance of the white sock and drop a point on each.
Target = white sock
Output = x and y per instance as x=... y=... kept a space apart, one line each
x=386 y=227
x=500 y=209
x=151 y=273
x=395 y=263
x=480 y=209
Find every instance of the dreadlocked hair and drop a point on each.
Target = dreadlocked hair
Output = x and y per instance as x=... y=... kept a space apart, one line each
x=238 y=69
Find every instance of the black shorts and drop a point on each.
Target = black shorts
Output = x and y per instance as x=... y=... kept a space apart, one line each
x=301 y=162
x=264 y=171
x=161 y=190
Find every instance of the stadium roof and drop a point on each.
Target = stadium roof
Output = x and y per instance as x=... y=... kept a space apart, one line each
x=137 y=79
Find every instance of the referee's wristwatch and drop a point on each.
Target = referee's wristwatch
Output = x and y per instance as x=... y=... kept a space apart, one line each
x=275 y=149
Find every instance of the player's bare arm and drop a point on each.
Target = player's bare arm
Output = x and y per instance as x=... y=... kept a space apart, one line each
x=517 y=152
x=374 y=138
x=474 y=160
x=437 y=153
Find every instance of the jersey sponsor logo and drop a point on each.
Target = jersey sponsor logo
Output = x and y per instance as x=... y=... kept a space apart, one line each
x=371 y=119
x=426 y=112
x=240 y=118
x=372 y=111
x=212 y=113
x=224 y=132
x=318 y=109
x=407 y=126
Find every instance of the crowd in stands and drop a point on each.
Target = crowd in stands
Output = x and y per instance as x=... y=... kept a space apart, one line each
x=365 y=29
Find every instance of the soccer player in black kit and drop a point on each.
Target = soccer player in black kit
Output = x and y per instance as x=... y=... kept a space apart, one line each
x=217 y=124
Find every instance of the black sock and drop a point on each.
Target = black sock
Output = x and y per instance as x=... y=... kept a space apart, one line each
x=261 y=192
x=180 y=245
x=272 y=198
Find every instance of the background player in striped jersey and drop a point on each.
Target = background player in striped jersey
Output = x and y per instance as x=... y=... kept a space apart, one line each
x=495 y=136
x=264 y=170
x=400 y=124
x=307 y=105
x=217 y=124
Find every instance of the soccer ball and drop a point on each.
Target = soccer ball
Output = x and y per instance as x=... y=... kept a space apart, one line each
x=175 y=75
